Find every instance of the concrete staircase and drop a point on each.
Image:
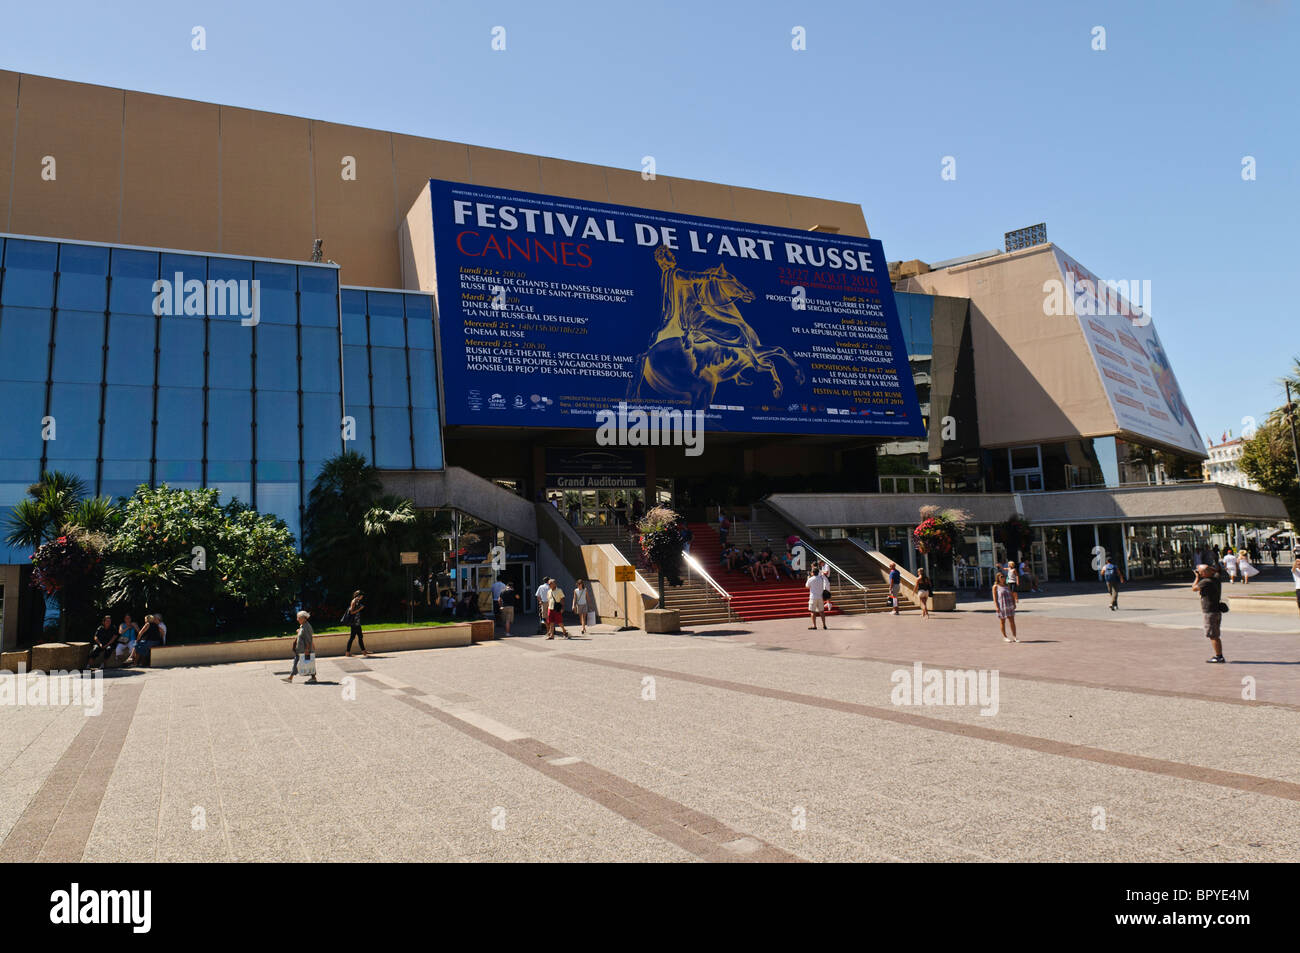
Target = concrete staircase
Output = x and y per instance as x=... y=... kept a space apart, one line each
x=771 y=530
x=780 y=598
x=865 y=570
x=696 y=602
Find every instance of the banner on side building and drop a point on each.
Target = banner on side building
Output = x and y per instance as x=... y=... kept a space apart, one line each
x=1131 y=362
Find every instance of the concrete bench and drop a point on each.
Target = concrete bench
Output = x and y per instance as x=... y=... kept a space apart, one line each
x=60 y=656
x=1272 y=605
x=9 y=661
x=331 y=645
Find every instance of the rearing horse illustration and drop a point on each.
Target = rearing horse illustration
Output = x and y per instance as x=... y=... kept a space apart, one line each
x=703 y=339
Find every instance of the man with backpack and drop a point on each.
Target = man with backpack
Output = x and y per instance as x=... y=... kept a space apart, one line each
x=1113 y=579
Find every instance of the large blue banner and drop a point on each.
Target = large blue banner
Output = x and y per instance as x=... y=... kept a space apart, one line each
x=552 y=310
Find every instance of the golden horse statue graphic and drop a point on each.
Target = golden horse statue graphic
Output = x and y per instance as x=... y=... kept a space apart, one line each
x=703 y=340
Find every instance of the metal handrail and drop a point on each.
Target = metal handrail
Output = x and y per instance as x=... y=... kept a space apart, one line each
x=693 y=565
x=834 y=568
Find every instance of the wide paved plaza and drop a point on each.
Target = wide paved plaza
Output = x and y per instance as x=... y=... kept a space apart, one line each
x=1107 y=738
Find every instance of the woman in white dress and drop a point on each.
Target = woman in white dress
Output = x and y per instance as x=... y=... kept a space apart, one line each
x=1245 y=569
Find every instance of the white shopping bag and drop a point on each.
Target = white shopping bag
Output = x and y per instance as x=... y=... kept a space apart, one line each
x=307 y=665
x=591 y=618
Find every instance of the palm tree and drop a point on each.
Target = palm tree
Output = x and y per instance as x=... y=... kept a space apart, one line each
x=388 y=513
x=50 y=504
x=147 y=584
x=348 y=530
x=56 y=505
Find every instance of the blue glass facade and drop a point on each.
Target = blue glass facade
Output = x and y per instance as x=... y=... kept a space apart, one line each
x=916 y=314
x=94 y=382
x=390 y=371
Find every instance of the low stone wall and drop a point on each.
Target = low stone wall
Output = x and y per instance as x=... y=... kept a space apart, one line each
x=60 y=656
x=1272 y=605
x=334 y=644
x=943 y=601
x=9 y=661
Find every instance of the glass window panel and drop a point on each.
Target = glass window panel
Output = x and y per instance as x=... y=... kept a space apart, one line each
x=130 y=349
x=277 y=426
x=23 y=471
x=277 y=292
x=321 y=427
x=134 y=273
x=23 y=406
x=277 y=358
x=419 y=322
x=83 y=278
x=29 y=273
x=189 y=274
x=25 y=342
x=386 y=330
x=180 y=424
x=386 y=304
x=228 y=300
x=128 y=423
x=392 y=438
x=423 y=388
x=360 y=413
x=230 y=426
x=79 y=347
x=190 y=266
x=320 y=360
x=318 y=296
x=279 y=499
x=353 y=304
x=179 y=474
x=428 y=439
x=180 y=358
x=277 y=471
x=75 y=409
x=81 y=467
x=12 y=490
x=356 y=375
x=230 y=347
x=388 y=381
x=231 y=489
x=121 y=477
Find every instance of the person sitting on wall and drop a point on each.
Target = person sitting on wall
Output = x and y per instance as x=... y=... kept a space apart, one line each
x=105 y=639
x=765 y=564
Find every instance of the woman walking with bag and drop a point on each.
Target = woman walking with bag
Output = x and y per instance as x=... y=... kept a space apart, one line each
x=923 y=589
x=1004 y=600
x=353 y=615
x=304 y=646
x=581 y=603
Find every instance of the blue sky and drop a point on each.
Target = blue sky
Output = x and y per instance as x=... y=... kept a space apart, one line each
x=1131 y=155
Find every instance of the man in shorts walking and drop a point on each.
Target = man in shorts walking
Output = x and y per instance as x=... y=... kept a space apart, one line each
x=1210 y=589
x=817 y=585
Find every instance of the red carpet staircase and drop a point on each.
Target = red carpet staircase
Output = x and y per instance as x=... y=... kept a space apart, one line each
x=752 y=601
x=699 y=604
